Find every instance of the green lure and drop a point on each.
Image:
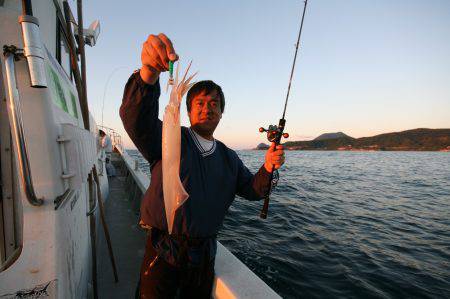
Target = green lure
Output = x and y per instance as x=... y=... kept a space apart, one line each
x=171 y=72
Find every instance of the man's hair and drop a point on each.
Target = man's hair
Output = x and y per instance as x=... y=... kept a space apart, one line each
x=207 y=87
x=101 y=132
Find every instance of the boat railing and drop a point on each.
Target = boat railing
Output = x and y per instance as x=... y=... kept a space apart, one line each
x=16 y=124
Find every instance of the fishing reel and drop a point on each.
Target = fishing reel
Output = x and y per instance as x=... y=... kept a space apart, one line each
x=274 y=133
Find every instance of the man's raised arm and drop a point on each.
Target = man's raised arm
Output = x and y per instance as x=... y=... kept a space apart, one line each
x=140 y=105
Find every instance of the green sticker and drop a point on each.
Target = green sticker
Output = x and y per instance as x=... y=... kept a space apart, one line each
x=58 y=93
x=74 y=106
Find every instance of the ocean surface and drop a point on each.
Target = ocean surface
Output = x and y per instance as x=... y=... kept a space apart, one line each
x=348 y=225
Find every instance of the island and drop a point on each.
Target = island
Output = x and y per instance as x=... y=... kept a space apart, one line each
x=421 y=139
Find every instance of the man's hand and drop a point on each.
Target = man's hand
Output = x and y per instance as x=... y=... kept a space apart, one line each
x=156 y=53
x=274 y=157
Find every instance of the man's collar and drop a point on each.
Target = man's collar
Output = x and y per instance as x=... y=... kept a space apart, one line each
x=195 y=136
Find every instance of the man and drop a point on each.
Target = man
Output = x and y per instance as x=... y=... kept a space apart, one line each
x=106 y=144
x=183 y=263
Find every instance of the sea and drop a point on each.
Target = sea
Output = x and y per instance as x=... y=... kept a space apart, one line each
x=348 y=225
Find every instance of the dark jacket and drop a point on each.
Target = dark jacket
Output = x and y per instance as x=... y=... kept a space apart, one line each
x=211 y=178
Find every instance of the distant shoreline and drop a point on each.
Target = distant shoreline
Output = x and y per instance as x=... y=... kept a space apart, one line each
x=430 y=140
x=353 y=150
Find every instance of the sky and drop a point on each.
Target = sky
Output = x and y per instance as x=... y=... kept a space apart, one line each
x=364 y=67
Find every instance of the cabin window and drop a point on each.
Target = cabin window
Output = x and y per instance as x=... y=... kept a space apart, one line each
x=63 y=52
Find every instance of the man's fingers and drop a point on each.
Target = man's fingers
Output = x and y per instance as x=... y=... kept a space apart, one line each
x=151 y=57
x=272 y=147
x=169 y=47
x=276 y=160
x=275 y=155
x=160 y=49
x=278 y=152
x=148 y=58
x=278 y=156
x=173 y=57
x=157 y=51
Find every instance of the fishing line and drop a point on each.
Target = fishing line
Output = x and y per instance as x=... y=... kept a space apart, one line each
x=295 y=58
x=106 y=86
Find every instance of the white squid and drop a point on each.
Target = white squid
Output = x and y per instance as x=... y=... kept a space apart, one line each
x=174 y=193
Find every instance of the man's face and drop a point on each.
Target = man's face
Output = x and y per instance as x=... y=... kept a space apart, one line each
x=205 y=113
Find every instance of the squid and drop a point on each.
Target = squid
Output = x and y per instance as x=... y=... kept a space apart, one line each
x=174 y=193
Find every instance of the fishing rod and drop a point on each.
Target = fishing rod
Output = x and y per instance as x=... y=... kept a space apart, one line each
x=274 y=132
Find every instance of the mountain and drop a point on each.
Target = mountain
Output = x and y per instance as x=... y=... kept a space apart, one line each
x=331 y=136
x=410 y=140
x=262 y=146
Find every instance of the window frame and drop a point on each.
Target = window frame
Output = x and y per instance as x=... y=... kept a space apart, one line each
x=61 y=37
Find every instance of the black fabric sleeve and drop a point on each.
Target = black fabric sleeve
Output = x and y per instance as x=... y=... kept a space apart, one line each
x=252 y=187
x=139 y=114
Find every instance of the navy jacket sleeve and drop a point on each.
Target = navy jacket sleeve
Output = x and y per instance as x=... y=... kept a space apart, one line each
x=252 y=187
x=139 y=114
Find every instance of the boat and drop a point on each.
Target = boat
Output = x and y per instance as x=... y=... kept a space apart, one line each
x=56 y=237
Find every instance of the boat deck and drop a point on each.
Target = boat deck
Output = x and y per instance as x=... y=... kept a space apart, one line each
x=127 y=240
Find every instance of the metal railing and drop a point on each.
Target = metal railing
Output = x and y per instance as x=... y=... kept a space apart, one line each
x=16 y=124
